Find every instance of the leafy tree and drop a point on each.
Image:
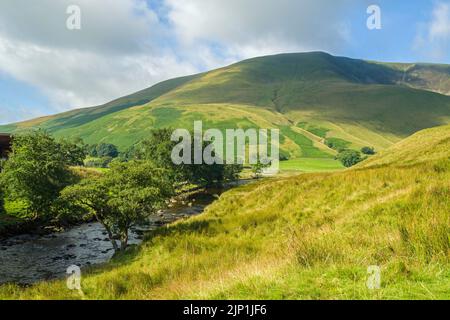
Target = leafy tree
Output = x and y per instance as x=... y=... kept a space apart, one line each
x=368 y=150
x=123 y=197
x=349 y=157
x=73 y=151
x=215 y=174
x=2 y=201
x=158 y=148
x=107 y=150
x=91 y=150
x=38 y=168
x=2 y=193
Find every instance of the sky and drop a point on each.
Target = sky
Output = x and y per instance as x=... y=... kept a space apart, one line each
x=123 y=46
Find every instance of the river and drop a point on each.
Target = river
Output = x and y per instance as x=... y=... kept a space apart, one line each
x=29 y=258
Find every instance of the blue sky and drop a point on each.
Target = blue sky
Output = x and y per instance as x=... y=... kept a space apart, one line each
x=402 y=22
x=127 y=45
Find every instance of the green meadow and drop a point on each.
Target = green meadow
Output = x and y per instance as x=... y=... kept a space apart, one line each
x=310 y=165
x=307 y=236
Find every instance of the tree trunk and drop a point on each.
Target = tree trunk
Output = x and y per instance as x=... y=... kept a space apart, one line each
x=113 y=241
x=111 y=237
x=124 y=241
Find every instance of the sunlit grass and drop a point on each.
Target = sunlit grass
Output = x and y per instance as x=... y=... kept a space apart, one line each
x=311 y=165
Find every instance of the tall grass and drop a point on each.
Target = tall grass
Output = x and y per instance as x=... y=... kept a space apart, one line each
x=309 y=236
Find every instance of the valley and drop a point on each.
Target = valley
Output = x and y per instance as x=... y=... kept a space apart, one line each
x=314 y=239
x=312 y=231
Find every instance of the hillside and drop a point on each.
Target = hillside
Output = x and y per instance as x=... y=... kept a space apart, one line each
x=309 y=96
x=424 y=146
x=315 y=239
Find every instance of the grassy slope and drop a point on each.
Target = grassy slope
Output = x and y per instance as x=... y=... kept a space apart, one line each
x=362 y=102
x=314 y=239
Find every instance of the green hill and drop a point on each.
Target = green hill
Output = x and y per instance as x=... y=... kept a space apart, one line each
x=315 y=239
x=309 y=96
x=424 y=146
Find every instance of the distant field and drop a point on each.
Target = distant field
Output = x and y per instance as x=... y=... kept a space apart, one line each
x=311 y=165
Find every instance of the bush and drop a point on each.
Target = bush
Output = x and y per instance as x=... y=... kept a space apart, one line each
x=107 y=150
x=349 y=157
x=2 y=201
x=91 y=150
x=337 y=144
x=368 y=150
x=2 y=195
x=98 y=162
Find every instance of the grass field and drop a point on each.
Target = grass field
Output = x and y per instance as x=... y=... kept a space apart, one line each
x=311 y=165
x=314 y=239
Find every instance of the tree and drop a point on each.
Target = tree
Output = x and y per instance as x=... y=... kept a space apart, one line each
x=2 y=201
x=107 y=150
x=349 y=157
x=2 y=193
x=73 y=151
x=38 y=168
x=368 y=150
x=123 y=197
x=258 y=169
x=91 y=150
x=158 y=149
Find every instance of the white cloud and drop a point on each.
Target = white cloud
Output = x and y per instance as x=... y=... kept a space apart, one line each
x=113 y=26
x=433 y=38
x=124 y=46
x=440 y=26
x=258 y=27
x=74 y=78
x=115 y=53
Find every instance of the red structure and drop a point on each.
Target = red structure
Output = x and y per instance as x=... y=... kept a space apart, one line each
x=5 y=145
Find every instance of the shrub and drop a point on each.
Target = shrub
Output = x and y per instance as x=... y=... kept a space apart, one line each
x=349 y=157
x=337 y=144
x=103 y=162
x=91 y=150
x=107 y=150
x=368 y=150
x=2 y=201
